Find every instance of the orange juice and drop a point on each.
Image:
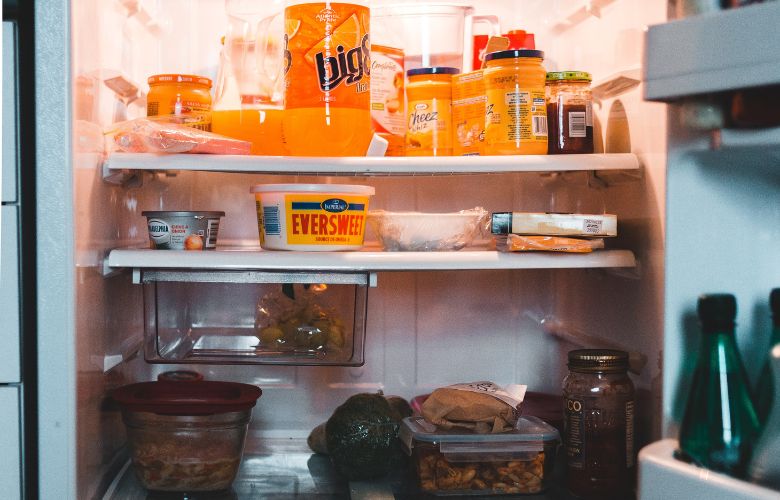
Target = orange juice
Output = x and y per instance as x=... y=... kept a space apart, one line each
x=326 y=79
x=261 y=127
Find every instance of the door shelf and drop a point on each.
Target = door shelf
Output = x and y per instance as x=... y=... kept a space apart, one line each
x=662 y=476
x=369 y=166
x=716 y=52
x=252 y=258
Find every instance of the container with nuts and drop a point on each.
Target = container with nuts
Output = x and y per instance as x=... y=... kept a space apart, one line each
x=458 y=463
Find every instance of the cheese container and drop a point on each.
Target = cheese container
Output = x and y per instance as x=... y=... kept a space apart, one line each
x=462 y=463
x=553 y=224
x=311 y=217
x=183 y=230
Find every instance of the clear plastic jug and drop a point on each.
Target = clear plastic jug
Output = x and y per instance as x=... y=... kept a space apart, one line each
x=434 y=34
x=248 y=93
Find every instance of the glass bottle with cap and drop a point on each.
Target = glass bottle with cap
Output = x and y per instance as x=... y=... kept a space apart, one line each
x=765 y=388
x=720 y=425
x=515 y=111
x=429 y=109
x=599 y=424
x=569 y=112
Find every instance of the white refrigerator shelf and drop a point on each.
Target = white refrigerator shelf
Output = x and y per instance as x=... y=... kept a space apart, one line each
x=251 y=258
x=372 y=165
x=714 y=52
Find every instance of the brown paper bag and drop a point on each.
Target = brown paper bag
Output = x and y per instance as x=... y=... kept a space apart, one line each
x=480 y=407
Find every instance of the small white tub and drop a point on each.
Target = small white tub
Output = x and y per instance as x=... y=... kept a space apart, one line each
x=311 y=217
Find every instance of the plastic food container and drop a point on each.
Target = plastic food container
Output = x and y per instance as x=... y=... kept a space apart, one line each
x=424 y=232
x=311 y=217
x=186 y=436
x=184 y=230
x=456 y=463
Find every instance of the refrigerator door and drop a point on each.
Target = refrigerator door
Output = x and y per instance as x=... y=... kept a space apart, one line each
x=9 y=296
x=8 y=176
x=10 y=448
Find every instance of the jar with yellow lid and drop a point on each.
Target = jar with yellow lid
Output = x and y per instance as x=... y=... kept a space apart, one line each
x=515 y=112
x=569 y=112
x=429 y=104
x=186 y=97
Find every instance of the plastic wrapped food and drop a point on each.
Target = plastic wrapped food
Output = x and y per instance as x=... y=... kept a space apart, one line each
x=162 y=135
x=520 y=243
x=295 y=319
x=426 y=232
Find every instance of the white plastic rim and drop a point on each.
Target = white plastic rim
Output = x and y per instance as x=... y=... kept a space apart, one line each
x=313 y=188
x=433 y=9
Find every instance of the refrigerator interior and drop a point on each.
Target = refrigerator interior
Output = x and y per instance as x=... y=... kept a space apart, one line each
x=423 y=329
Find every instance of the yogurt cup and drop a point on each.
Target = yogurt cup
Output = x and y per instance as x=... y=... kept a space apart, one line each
x=311 y=217
x=183 y=230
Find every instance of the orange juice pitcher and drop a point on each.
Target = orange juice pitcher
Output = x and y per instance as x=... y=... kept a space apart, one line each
x=327 y=65
x=249 y=85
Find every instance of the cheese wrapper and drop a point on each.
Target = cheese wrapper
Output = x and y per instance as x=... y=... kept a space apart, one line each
x=480 y=407
x=521 y=243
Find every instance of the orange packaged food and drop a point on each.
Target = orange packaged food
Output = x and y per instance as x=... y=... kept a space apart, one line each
x=187 y=97
x=429 y=102
x=523 y=243
x=468 y=114
x=327 y=57
x=387 y=96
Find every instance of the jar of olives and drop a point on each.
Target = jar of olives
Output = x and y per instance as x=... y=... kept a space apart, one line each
x=598 y=410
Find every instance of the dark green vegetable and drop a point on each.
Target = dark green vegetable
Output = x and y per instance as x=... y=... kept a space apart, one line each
x=361 y=437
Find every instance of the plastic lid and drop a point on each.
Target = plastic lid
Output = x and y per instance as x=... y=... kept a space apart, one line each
x=718 y=308
x=514 y=53
x=180 y=376
x=174 y=78
x=774 y=301
x=598 y=361
x=530 y=434
x=187 y=398
x=182 y=213
x=436 y=70
x=313 y=188
x=568 y=75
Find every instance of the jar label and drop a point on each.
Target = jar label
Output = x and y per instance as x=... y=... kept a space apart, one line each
x=629 y=434
x=429 y=127
x=515 y=116
x=573 y=432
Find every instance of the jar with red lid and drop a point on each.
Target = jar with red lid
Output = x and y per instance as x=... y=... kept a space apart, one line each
x=186 y=97
x=569 y=112
x=598 y=399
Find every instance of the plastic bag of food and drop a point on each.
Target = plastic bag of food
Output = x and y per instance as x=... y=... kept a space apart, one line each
x=426 y=232
x=524 y=243
x=294 y=318
x=480 y=407
x=163 y=135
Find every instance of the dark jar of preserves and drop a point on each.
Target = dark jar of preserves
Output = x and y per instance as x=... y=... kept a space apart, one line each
x=598 y=400
x=569 y=113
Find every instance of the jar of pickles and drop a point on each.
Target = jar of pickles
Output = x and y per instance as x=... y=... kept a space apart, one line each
x=569 y=112
x=186 y=97
x=598 y=405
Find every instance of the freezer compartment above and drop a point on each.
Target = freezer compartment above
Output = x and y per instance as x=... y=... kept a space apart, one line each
x=720 y=51
x=246 y=317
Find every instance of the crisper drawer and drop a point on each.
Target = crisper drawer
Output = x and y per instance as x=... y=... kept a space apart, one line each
x=10 y=444
x=9 y=295
x=254 y=317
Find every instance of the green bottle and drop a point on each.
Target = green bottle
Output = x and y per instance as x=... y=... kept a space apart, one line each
x=765 y=390
x=720 y=425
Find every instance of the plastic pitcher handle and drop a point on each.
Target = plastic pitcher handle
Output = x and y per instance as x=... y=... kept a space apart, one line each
x=492 y=21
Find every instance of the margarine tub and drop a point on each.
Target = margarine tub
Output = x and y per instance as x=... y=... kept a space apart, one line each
x=311 y=217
